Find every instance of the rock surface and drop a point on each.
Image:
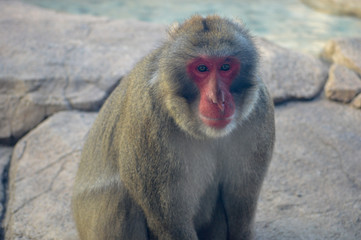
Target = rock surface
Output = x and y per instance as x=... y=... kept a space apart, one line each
x=343 y=84
x=312 y=190
x=289 y=74
x=42 y=173
x=53 y=61
x=340 y=7
x=313 y=187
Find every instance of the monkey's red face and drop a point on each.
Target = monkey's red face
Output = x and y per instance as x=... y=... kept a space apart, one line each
x=213 y=77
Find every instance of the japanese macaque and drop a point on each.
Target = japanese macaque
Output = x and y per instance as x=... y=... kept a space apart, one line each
x=181 y=147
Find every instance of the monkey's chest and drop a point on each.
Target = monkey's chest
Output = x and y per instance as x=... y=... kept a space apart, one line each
x=208 y=204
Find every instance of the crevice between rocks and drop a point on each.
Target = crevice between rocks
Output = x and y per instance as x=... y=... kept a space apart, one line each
x=67 y=102
x=4 y=201
x=283 y=101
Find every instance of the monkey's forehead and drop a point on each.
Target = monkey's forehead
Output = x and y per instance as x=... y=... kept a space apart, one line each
x=210 y=24
x=211 y=45
x=212 y=35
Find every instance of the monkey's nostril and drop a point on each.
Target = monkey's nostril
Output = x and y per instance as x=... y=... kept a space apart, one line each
x=221 y=107
x=222 y=97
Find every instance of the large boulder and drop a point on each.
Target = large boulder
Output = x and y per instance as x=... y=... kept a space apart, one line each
x=42 y=172
x=344 y=76
x=312 y=190
x=343 y=84
x=290 y=75
x=53 y=61
x=339 y=7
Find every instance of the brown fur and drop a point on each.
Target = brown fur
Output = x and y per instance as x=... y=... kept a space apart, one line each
x=150 y=169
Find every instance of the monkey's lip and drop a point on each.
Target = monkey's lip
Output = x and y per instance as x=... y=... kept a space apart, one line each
x=216 y=122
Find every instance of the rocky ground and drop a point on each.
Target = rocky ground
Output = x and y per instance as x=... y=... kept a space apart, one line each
x=57 y=69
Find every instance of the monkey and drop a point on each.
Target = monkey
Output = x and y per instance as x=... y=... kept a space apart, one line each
x=180 y=148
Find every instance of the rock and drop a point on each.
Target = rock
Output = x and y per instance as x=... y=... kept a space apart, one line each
x=55 y=61
x=42 y=173
x=340 y=7
x=312 y=190
x=357 y=101
x=313 y=187
x=5 y=156
x=346 y=52
x=343 y=84
x=290 y=75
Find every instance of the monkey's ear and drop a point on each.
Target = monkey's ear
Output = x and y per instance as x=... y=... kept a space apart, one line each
x=173 y=29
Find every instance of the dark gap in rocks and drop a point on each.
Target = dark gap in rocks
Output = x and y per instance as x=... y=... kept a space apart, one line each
x=279 y=102
x=4 y=201
x=8 y=141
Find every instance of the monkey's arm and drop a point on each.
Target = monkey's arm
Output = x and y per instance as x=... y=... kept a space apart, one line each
x=102 y=206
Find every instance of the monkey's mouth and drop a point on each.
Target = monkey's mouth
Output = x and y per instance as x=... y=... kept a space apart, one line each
x=216 y=122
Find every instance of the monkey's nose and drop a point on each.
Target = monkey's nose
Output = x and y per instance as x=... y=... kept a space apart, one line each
x=218 y=99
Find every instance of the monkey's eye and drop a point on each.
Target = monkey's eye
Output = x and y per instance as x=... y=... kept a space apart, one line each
x=225 y=67
x=202 y=68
